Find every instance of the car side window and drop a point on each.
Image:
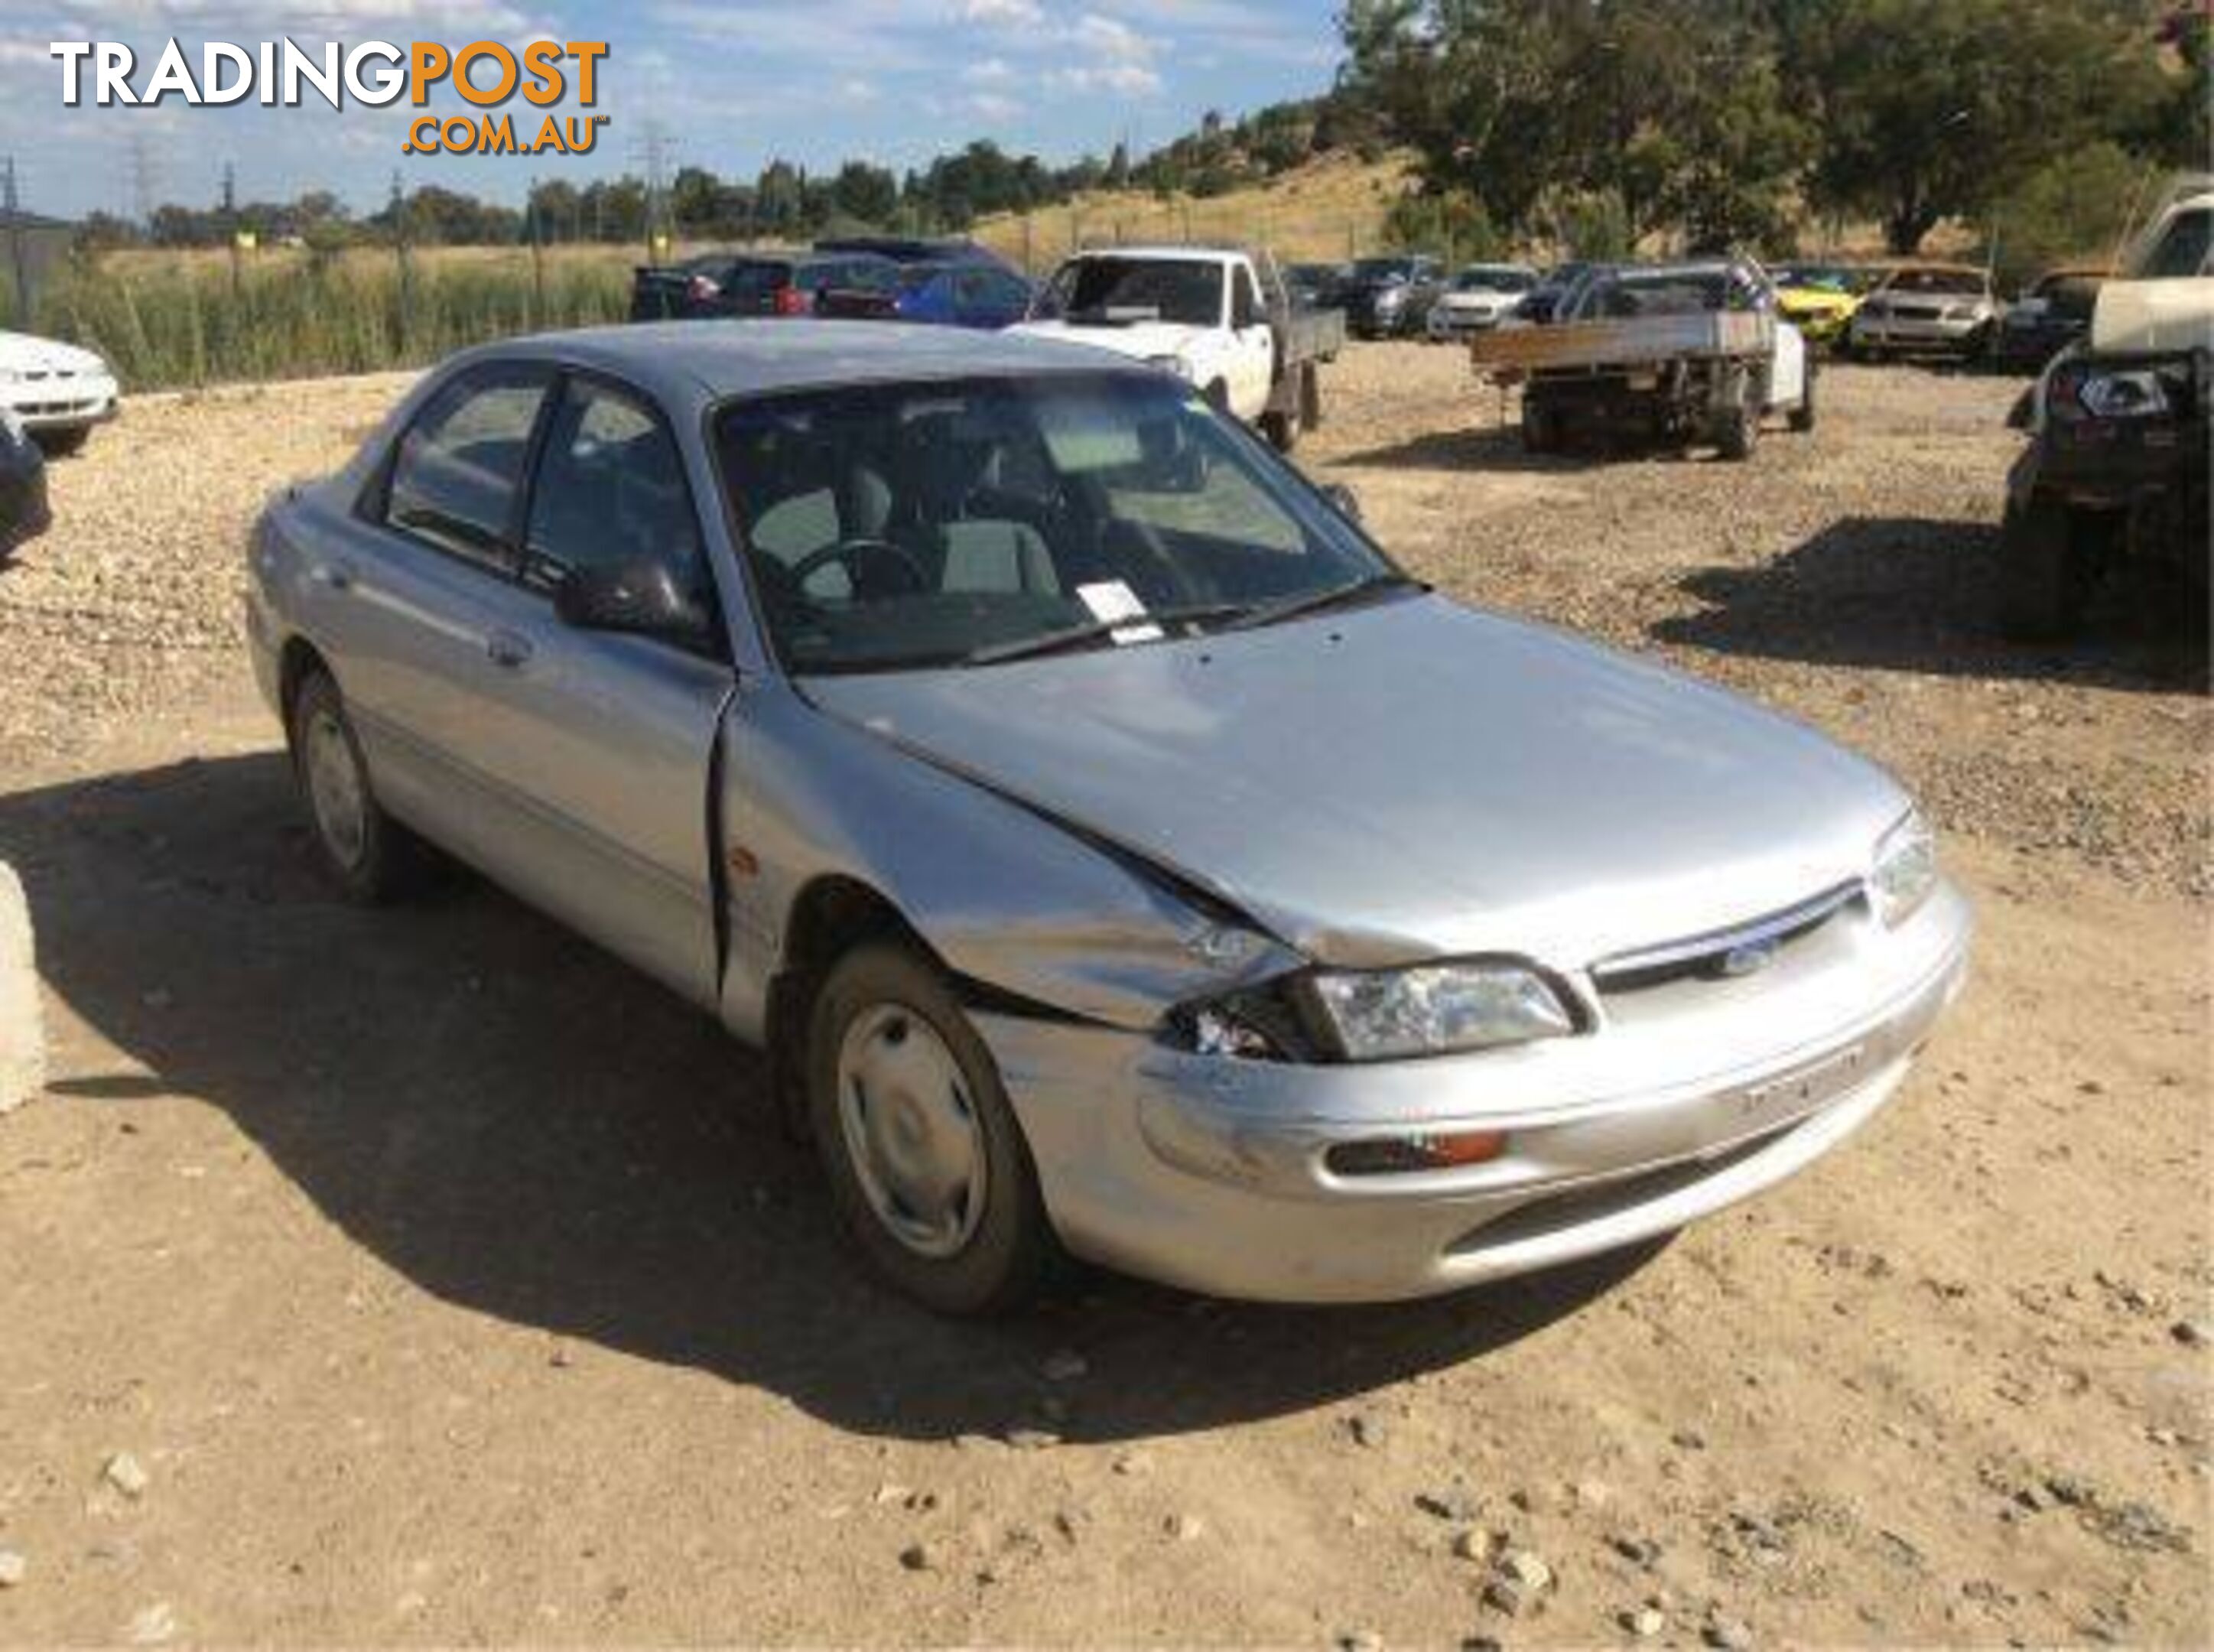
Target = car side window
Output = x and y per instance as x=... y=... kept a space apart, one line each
x=1245 y=302
x=456 y=470
x=610 y=489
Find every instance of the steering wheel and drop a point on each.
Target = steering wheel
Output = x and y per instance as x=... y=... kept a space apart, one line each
x=852 y=555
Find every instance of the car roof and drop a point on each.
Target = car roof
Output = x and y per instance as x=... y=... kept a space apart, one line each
x=696 y=364
x=1210 y=254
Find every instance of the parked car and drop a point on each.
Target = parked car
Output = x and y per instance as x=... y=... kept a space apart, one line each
x=24 y=514
x=1478 y=298
x=1217 y=317
x=755 y=283
x=2120 y=424
x=1540 y=305
x=918 y=250
x=1821 y=299
x=942 y=295
x=1927 y=309
x=2047 y=318
x=58 y=392
x=1690 y=352
x=1315 y=286
x=1390 y=297
x=1086 y=816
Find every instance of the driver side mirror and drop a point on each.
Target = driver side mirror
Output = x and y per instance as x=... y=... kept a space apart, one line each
x=1343 y=500
x=639 y=597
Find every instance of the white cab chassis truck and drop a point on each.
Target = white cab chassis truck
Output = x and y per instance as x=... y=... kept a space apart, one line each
x=1217 y=316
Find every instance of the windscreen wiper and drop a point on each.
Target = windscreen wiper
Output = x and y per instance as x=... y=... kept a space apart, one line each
x=1314 y=601
x=1076 y=636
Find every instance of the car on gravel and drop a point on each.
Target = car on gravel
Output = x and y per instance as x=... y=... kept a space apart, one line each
x=1945 y=310
x=1390 y=296
x=1478 y=298
x=1086 y=816
x=1819 y=299
x=24 y=514
x=2054 y=313
x=719 y=285
x=2121 y=423
x=58 y=392
x=939 y=295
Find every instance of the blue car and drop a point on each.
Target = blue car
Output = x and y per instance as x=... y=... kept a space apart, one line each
x=942 y=295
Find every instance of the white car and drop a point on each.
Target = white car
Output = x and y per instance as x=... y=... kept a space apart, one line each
x=1478 y=299
x=56 y=391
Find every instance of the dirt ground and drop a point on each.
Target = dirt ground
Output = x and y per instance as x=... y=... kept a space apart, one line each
x=427 y=1277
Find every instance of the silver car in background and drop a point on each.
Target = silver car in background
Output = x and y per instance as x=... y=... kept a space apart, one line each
x=1116 y=853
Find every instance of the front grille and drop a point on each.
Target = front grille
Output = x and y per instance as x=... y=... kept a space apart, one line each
x=1722 y=953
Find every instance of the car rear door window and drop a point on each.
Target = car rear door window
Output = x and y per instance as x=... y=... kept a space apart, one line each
x=610 y=491
x=457 y=470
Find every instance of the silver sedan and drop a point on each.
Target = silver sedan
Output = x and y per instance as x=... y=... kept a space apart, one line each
x=1115 y=854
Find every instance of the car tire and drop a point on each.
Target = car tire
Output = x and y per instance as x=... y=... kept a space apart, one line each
x=1803 y=415
x=1283 y=430
x=1739 y=434
x=370 y=858
x=63 y=443
x=2044 y=575
x=1218 y=397
x=1541 y=429
x=886 y=1018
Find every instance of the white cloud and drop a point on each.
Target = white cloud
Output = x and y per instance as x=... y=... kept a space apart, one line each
x=991 y=106
x=1112 y=39
x=1018 y=14
x=992 y=71
x=1131 y=79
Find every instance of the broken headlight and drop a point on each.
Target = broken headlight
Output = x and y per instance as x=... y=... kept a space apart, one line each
x=1434 y=1009
x=2086 y=388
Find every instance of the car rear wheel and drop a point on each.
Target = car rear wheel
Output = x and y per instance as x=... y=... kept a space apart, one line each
x=926 y=1162
x=1802 y=416
x=371 y=857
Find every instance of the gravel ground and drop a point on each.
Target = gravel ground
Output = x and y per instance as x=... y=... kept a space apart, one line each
x=426 y=1278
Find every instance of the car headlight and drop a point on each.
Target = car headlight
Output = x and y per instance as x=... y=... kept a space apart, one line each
x=2084 y=389
x=1434 y=1008
x=1904 y=870
x=1963 y=312
x=1176 y=364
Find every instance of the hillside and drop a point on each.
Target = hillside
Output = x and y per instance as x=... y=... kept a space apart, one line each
x=1332 y=208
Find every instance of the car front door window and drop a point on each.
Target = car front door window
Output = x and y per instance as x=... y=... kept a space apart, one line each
x=456 y=471
x=610 y=491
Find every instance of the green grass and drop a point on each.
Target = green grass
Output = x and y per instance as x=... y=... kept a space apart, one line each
x=164 y=323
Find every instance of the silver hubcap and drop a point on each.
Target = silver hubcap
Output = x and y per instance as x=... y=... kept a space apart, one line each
x=911 y=1129
x=335 y=789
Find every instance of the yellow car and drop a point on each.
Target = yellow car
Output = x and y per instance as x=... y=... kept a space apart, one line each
x=1819 y=299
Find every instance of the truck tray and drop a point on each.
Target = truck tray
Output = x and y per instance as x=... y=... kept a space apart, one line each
x=1626 y=342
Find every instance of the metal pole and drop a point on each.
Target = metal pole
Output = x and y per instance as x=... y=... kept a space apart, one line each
x=17 y=257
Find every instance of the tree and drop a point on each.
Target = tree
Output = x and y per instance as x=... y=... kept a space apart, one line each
x=1929 y=109
x=864 y=194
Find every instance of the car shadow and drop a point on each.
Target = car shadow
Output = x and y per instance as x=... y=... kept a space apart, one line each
x=1498 y=446
x=525 y=1127
x=1906 y=593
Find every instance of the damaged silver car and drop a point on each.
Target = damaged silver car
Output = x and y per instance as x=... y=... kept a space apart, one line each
x=1118 y=854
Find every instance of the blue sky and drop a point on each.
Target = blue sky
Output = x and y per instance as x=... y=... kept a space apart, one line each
x=816 y=81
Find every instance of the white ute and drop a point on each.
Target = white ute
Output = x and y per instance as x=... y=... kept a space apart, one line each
x=1217 y=317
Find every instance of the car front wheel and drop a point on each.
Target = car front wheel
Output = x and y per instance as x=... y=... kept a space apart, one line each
x=929 y=1169
x=371 y=857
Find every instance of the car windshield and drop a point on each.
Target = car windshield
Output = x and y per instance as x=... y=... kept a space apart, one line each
x=1487 y=280
x=1383 y=269
x=1815 y=278
x=1666 y=292
x=1961 y=283
x=906 y=526
x=1185 y=291
x=2182 y=249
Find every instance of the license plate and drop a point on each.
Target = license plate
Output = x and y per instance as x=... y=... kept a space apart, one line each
x=1802 y=1089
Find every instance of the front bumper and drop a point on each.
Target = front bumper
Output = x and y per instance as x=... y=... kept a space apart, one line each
x=1461 y=323
x=60 y=404
x=1212 y=1174
x=1819 y=325
x=1898 y=332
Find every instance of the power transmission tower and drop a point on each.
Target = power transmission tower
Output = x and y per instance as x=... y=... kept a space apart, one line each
x=144 y=182
x=654 y=147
